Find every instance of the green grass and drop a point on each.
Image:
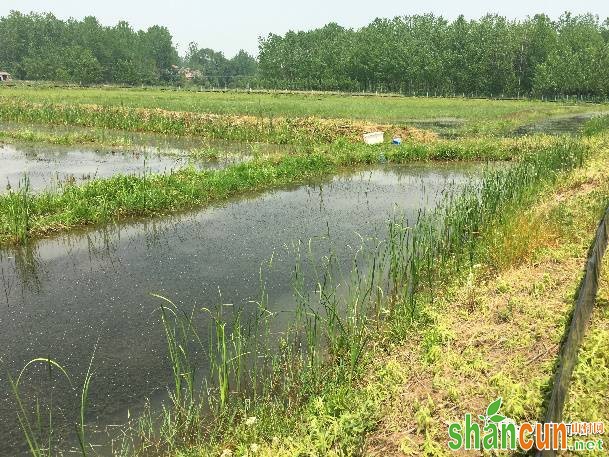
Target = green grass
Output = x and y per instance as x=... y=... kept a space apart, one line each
x=478 y=115
x=484 y=338
x=209 y=126
x=24 y=215
x=587 y=398
x=596 y=125
x=30 y=135
x=303 y=388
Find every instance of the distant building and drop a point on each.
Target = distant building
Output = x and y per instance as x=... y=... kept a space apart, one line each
x=4 y=76
x=189 y=74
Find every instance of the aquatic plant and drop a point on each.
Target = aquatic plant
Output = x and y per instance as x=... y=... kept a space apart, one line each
x=17 y=208
x=33 y=428
x=326 y=345
x=596 y=125
x=255 y=372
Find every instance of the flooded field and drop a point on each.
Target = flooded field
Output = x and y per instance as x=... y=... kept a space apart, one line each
x=558 y=125
x=64 y=297
x=49 y=167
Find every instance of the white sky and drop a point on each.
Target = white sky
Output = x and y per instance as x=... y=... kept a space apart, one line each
x=232 y=25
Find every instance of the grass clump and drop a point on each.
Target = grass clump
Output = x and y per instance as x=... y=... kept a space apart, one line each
x=596 y=125
x=103 y=200
x=65 y=139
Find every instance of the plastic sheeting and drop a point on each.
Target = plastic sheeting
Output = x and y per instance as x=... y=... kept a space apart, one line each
x=584 y=305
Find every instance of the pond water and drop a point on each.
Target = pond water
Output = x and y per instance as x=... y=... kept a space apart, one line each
x=62 y=297
x=49 y=167
x=570 y=124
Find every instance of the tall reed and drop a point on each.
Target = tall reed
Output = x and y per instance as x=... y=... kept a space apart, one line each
x=17 y=206
x=32 y=423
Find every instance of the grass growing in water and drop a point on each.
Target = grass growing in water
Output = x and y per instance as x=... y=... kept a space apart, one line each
x=17 y=211
x=304 y=390
x=100 y=201
x=596 y=125
x=34 y=424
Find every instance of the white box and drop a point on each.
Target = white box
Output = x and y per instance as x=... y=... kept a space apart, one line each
x=374 y=137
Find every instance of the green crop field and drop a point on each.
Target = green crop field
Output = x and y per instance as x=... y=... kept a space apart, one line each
x=463 y=113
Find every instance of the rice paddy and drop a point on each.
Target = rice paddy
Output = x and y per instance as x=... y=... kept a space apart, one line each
x=275 y=370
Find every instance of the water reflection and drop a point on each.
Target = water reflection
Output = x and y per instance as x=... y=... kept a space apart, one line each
x=65 y=295
x=50 y=167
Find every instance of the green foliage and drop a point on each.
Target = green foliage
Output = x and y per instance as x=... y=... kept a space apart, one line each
x=42 y=47
x=421 y=54
x=596 y=125
x=428 y=54
x=32 y=424
x=215 y=70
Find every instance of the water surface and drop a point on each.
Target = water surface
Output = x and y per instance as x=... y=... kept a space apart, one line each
x=570 y=124
x=62 y=297
x=49 y=166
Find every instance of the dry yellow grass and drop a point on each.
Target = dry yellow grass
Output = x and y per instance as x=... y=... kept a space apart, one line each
x=499 y=334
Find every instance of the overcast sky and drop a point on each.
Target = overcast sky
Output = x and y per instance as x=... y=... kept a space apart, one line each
x=236 y=24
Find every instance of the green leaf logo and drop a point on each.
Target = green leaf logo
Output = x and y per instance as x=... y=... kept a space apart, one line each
x=493 y=408
x=492 y=413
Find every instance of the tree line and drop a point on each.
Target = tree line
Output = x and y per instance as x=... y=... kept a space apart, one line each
x=42 y=47
x=421 y=54
x=428 y=54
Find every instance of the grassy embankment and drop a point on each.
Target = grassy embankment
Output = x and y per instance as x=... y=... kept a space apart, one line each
x=498 y=332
